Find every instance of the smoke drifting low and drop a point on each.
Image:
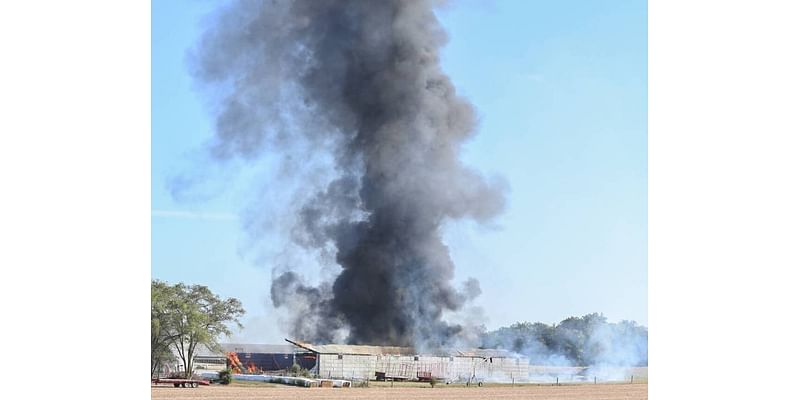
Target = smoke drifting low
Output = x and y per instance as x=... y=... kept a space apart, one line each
x=589 y=340
x=361 y=82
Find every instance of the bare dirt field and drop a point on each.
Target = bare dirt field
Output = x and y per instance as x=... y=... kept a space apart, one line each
x=564 y=392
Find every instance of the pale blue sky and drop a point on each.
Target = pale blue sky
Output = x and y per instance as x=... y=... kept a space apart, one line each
x=561 y=90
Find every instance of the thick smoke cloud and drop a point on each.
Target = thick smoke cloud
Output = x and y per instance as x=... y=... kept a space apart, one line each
x=361 y=80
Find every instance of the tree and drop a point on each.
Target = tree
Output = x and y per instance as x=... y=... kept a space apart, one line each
x=201 y=318
x=188 y=316
x=161 y=334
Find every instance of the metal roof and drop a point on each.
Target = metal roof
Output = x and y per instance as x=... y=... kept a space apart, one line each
x=398 y=351
x=203 y=351
x=354 y=349
x=488 y=353
x=259 y=348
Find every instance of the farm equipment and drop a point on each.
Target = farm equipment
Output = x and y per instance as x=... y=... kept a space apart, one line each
x=184 y=383
x=424 y=376
x=383 y=376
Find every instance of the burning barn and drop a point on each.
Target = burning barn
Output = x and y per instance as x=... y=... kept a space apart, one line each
x=253 y=358
x=256 y=358
x=403 y=363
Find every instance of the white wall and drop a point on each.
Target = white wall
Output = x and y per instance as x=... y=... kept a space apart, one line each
x=349 y=367
x=449 y=368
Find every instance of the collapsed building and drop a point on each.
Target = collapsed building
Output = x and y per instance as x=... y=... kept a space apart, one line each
x=357 y=362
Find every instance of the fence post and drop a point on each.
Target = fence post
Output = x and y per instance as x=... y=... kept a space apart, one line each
x=556 y=381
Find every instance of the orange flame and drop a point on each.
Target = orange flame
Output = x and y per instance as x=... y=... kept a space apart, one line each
x=251 y=368
x=235 y=364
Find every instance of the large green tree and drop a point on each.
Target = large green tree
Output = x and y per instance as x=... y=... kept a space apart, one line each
x=161 y=335
x=187 y=316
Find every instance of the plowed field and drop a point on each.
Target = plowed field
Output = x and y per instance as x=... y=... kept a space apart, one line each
x=564 y=392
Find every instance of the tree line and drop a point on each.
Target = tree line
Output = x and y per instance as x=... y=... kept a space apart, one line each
x=183 y=317
x=578 y=341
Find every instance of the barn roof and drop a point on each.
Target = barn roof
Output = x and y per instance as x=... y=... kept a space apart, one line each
x=397 y=350
x=203 y=351
x=487 y=353
x=354 y=349
x=259 y=348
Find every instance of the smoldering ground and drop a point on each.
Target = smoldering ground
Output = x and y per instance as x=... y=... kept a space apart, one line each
x=357 y=83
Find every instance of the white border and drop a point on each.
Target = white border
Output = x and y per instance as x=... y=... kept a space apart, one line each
x=723 y=198
x=75 y=165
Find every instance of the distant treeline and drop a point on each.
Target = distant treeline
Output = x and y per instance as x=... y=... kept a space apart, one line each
x=579 y=341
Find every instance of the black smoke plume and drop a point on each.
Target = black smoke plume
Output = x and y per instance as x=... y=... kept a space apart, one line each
x=361 y=81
